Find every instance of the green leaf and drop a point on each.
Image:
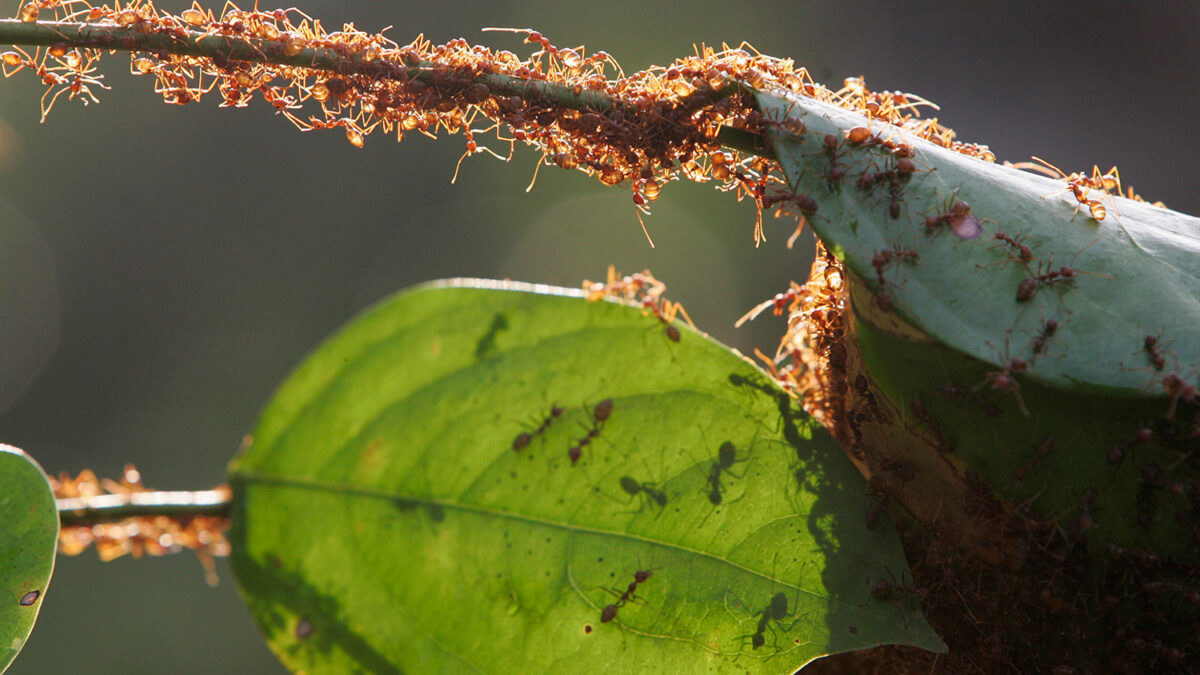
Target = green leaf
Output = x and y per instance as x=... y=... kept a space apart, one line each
x=1137 y=271
x=384 y=521
x=27 y=546
x=1056 y=433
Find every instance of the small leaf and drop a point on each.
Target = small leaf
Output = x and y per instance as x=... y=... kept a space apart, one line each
x=27 y=547
x=1134 y=273
x=474 y=479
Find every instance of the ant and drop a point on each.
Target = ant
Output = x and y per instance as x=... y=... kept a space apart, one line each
x=726 y=458
x=1024 y=253
x=959 y=219
x=1116 y=454
x=1176 y=387
x=666 y=311
x=610 y=611
x=1048 y=329
x=832 y=152
x=895 y=178
x=1029 y=286
x=1079 y=185
x=600 y=414
x=1150 y=344
x=525 y=437
x=1044 y=449
x=1003 y=380
x=883 y=258
x=779 y=303
x=633 y=487
x=879 y=262
x=886 y=590
x=804 y=203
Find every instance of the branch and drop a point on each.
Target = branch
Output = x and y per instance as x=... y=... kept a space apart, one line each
x=110 y=508
x=222 y=48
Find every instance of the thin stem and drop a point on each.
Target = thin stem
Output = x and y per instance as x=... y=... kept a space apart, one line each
x=86 y=511
x=197 y=44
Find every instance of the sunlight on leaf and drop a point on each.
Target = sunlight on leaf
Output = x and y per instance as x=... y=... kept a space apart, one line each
x=497 y=480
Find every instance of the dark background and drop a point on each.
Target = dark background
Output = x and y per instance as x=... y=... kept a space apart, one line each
x=183 y=260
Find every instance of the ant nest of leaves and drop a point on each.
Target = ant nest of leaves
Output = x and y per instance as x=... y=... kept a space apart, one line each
x=578 y=109
x=137 y=536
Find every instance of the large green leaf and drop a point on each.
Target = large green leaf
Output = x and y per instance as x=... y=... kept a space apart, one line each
x=27 y=545
x=384 y=520
x=1053 y=430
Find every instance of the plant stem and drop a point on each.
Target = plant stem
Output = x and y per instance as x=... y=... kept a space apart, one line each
x=87 y=511
x=197 y=44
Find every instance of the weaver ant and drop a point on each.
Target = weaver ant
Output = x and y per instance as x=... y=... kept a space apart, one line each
x=959 y=219
x=1048 y=329
x=779 y=303
x=525 y=437
x=1150 y=345
x=1044 y=450
x=1029 y=286
x=610 y=611
x=1078 y=185
x=1024 y=253
x=600 y=414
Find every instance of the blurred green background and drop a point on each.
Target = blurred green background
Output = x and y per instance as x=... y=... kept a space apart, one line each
x=164 y=267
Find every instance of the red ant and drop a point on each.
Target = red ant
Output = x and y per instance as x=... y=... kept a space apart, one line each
x=610 y=611
x=1024 y=253
x=886 y=256
x=1003 y=380
x=1150 y=344
x=1048 y=329
x=1030 y=285
x=780 y=302
x=881 y=260
x=666 y=310
x=1079 y=185
x=959 y=219
x=1117 y=452
x=885 y=590
x=837 y=170
x=525 y=437
x=1178 y=388
x=1044 y=449
x=895 y=179
x=600 y=414
x=804 y=203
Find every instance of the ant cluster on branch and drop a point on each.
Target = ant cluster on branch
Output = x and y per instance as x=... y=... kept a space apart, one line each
x=139 y=535
x=579 y=109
